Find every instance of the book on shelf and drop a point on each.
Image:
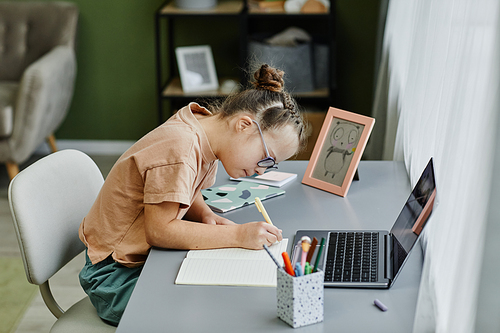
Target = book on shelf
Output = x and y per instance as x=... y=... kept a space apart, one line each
x=266 y=6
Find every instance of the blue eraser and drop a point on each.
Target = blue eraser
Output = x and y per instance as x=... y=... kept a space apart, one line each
x=380 y=305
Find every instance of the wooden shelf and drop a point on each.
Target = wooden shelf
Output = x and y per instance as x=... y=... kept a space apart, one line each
x=174 y=89
x=318 y=93
x=231 y=7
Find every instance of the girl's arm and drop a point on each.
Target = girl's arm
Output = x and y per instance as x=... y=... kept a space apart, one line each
x=164 y=230
x=200 y=212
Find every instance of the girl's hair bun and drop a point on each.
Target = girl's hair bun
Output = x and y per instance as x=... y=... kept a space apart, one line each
x=269 y=78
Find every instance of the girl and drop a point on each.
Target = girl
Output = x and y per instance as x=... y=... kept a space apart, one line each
x=152 y=196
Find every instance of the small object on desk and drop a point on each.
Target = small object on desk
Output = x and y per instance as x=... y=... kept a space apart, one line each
x=311 y=251
x=332 y=173
x=261 y=209
x=380 y=305
x=288 y=264
x=300 y=299
x=322 y=244
x=271 y=178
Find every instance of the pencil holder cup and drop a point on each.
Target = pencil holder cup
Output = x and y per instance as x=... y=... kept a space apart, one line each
x=300 y=299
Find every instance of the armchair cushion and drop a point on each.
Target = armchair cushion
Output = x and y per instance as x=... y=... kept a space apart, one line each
x=42 y=101
x=8 y=92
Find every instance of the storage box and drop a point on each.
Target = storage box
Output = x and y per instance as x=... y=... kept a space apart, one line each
x=295 y=61
x=321 y=65
x=300 y=299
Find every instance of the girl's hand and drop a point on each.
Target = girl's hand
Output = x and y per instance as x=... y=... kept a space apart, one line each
x=254 y=235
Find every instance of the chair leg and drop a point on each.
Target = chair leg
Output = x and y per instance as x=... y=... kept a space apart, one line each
x=51 y=140
x=12 y=169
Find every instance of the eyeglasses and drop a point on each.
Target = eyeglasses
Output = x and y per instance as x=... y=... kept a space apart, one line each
x=267 y=162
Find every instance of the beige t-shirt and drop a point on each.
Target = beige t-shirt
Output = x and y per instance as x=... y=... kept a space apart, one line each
x=171 y=163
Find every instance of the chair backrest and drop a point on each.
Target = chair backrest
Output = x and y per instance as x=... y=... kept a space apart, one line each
x=28 y=30
x=48 y=201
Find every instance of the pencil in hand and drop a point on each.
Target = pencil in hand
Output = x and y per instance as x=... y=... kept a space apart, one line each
x=261 y=209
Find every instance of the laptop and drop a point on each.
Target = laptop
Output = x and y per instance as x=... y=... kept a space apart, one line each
x=374 y=258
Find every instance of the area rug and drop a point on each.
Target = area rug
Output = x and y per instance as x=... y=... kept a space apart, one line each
x=16 y=293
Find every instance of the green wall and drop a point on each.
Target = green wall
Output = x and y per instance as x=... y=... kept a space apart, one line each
x=115 y=88
x=357 y=22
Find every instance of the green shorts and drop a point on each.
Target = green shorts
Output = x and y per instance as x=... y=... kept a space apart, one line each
x=109 y=286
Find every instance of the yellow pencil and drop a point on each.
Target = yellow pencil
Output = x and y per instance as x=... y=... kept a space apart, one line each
x=261 y=209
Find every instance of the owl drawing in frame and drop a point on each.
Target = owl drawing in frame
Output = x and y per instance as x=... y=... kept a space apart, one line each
x=343 y=139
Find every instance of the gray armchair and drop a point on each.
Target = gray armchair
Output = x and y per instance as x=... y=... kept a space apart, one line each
x=37 y=75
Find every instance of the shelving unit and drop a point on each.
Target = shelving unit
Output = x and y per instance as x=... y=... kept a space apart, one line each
x=249 y=22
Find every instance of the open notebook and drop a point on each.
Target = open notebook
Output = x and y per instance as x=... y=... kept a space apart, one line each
x=231 y=267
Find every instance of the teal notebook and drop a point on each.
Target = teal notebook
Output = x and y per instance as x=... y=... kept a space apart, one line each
x=227 y=197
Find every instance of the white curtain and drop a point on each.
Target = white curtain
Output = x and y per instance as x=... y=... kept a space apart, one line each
x=436 y=96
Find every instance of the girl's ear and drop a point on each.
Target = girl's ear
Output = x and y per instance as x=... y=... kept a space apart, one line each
x=243 y=122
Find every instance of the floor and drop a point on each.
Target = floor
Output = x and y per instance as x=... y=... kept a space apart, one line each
x=64 y=284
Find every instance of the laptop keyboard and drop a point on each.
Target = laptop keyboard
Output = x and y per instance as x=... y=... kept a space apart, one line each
x=352 y=257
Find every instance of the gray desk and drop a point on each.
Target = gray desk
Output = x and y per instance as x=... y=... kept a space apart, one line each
x=373 y=202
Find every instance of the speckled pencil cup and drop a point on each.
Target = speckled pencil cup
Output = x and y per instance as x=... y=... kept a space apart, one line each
x=300 y=299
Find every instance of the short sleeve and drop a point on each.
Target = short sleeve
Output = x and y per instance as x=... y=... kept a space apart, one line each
x=211 y=176
x=172 y=183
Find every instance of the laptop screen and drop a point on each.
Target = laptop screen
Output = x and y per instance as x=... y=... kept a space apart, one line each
x=413 y=217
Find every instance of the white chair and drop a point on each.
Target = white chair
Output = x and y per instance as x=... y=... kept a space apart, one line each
x=48 y=201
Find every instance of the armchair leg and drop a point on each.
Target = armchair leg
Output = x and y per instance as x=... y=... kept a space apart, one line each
x=12 y=169
x=51 y=140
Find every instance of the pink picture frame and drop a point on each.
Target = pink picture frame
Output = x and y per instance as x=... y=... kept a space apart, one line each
x=337 y=151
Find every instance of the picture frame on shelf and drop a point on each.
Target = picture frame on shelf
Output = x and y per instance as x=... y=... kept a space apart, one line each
x=196 y=68
x=338 y=150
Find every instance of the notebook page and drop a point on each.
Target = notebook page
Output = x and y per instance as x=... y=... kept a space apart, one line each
x=227 y=272
x=231 y=267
